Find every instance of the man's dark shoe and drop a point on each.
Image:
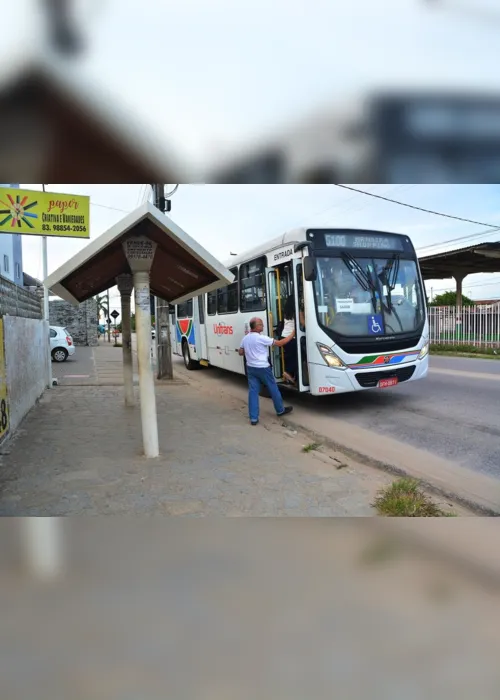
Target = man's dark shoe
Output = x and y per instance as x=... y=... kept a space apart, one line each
x=254 y=423
x=287 y=410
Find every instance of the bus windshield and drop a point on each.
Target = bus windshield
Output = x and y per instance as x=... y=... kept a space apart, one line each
x=363 y=296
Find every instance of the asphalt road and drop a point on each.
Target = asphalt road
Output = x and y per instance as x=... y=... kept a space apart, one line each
x=454 y=414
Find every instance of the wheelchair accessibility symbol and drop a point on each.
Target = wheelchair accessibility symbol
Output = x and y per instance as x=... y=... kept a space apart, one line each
x=375 y=325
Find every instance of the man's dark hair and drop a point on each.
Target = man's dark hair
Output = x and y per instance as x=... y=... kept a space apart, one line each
x=253 y=325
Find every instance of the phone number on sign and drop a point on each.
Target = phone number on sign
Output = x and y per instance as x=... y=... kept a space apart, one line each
x=57 y=227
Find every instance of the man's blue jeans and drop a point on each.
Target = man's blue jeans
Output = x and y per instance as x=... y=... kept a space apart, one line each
x=256 y=377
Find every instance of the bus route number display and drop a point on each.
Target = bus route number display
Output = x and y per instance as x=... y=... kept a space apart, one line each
x=336 y=240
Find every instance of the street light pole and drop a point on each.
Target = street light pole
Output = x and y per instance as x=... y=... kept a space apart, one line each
x=46 y=305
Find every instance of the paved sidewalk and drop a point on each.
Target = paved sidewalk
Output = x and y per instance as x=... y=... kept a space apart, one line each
x=79 y=452
x=99 y=366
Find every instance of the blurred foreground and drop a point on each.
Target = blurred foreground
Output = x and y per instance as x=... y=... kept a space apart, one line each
x=387 y=93
x=246 y=609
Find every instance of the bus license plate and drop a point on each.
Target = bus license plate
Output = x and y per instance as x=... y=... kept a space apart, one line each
x=386 y=383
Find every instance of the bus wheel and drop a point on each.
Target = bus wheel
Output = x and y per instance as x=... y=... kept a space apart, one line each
x=190 y=364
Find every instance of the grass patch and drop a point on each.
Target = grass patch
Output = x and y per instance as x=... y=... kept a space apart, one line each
x=312 y=447
x=464 y=350
x=405 y=499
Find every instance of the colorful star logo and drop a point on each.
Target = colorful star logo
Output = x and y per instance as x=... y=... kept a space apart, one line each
x=18 y=212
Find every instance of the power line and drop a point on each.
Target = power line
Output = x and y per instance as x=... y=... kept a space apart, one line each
x=412 y=206
x=468 y=286
x=106 y=206
x=349 y=209
x=141 y=194
x=462 y=238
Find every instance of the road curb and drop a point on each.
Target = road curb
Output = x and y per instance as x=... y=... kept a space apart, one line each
x=449 y=493
x=453 y=541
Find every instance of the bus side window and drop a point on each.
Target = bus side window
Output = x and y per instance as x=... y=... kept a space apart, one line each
x=222 y=301
x=181 y=310
x=253 y=286
x=212 y=303
x=232 y=293
x=185 y=310
x=201 y=309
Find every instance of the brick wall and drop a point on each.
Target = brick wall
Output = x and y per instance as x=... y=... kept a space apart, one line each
x=16 y=301
x=81 y=321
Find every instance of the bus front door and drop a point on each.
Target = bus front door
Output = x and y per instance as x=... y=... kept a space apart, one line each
x=303 y=379
x=279 y=287
x=274 y=318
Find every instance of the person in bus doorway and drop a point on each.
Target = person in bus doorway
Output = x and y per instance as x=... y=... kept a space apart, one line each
x=290 y=350
x=255 y=349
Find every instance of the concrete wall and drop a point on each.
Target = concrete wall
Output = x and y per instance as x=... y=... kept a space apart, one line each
x=16 y=301
x=81 y=321
x=26 y=364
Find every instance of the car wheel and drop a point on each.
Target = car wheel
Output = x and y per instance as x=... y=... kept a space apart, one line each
x=59 y=355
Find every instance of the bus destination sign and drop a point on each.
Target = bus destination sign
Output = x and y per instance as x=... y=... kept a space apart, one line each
x=363 y=242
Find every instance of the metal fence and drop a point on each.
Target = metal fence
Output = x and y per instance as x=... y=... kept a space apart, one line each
x=469 y=325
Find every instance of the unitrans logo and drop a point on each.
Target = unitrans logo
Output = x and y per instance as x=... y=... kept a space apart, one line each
x=222 y=329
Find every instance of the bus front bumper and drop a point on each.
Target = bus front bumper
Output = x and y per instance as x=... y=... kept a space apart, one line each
x=325 y=380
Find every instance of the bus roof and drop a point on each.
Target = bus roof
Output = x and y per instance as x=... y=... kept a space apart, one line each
x=293 y=236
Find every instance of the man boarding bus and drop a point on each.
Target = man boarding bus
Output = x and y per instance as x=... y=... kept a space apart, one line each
x=255 y=349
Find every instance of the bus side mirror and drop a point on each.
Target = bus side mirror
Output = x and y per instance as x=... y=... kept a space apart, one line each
x=310 y=269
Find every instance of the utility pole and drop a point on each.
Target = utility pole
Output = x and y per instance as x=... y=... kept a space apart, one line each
x=165 y=368
x=108 y=321
x=64 y=36
x=46 y=303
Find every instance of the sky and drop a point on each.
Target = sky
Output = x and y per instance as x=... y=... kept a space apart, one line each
x=206 y=77
x=227 y=219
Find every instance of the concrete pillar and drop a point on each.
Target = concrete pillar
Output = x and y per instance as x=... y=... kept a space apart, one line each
x=460 y=281
x=42 y=543
x=140 y=254
x=125 y=286
x=458 y=320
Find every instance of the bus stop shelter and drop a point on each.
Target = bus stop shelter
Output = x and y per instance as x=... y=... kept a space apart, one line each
x=62 y=127
x=148 y=252
x=458 y=264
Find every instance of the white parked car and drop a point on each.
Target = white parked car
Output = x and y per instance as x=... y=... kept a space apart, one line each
x=61 y=344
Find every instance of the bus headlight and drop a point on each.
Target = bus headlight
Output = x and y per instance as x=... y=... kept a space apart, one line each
x=424 y=352
x=330 y=357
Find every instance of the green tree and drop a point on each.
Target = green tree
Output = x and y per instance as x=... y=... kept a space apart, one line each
x=102 y=306
x=450 y=299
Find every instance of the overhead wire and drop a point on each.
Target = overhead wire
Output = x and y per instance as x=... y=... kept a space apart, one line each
x=414 y=206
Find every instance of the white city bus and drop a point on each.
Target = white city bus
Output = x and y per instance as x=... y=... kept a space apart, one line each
x=364 y=307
